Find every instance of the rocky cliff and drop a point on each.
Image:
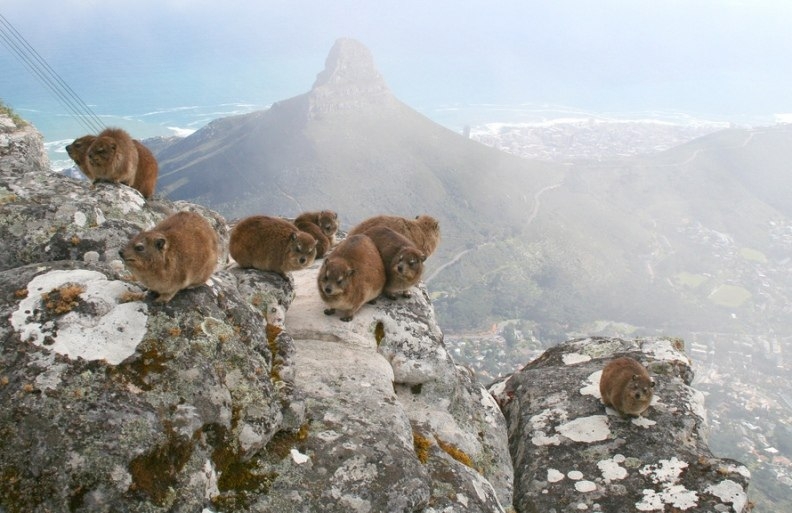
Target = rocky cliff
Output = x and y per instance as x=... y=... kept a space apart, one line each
x=241 y=395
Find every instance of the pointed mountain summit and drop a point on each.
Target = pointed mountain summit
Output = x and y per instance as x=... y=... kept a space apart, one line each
x=350 y=145
x=350 y=81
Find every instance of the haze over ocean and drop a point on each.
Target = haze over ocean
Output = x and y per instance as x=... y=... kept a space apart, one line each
x=164 y=67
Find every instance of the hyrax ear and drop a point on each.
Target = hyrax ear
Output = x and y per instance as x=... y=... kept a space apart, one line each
x=423 y=257
x=293 y=236
x=160 y=243
x=652 y=384
x=350 y=272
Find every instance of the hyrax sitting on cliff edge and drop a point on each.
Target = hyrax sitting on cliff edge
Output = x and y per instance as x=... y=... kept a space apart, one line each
x=625 y=386
x=402 y=260
x=424 y=230
x=271 y=244
x=350 y=276
x=180 y=252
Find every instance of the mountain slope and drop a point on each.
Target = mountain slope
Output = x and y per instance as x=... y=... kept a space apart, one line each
x=351 y=146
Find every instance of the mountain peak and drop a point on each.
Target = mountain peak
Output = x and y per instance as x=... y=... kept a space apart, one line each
x=350 y=81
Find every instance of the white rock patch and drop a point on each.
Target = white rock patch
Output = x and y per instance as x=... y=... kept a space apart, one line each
x=554 y=476
x=611 y=468
x=112 y=333
x=591 y=385
x=586 y=429
x=573 y=358
x=729 y=491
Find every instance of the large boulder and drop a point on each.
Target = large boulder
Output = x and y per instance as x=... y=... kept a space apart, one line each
x=571 y=453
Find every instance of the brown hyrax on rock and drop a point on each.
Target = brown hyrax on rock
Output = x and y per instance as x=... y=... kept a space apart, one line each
x=625 y=386
x=113 y=157
x=322 y=242
x=147 y=170
x=402 y=260
x=424 y=230
x=178 y=253
x=78 y=152
x=326 y=220
x=351 y=275
x=271 y=244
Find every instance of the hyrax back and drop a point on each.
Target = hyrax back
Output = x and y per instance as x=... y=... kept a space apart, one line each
x=326 y=220
x=350 y=276
x=424 y=230
x=178 y=253
x=625 y=385
x=78 y=152
x=113 y=157
x=402 y=260
x=147 y=170
x=271 y=244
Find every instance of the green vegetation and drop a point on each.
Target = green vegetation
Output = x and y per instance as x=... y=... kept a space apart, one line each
x=753 y=255
x=690 y=280
x=730 y=296
x=8 y=111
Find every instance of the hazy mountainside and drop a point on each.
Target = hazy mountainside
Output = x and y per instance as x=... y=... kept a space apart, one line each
x=692 y=238
x=351 y=146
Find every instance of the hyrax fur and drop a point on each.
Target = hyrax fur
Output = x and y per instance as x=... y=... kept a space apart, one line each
x=323 y=225
x=147 y=170
x=402 y=260
x=625 y=386
x=424 y=230
x=113 y=157
x=180 y=252
x=144 y=178
x=326 y=220
x=78 y=152
x=351 y=275
x=271 y=244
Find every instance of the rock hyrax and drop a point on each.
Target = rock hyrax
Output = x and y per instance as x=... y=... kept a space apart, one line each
x=113 y=157
x=351 y=275
x=271 y=244
x=424 y=230
x=326 y=220
x=625 y=386
x=402 y=260
x=147 y=170
x=180 y=252
x=78 y=151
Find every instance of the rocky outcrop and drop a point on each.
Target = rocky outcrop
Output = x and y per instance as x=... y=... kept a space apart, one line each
x=350 y=81
x=240 y=395
x=571 y=453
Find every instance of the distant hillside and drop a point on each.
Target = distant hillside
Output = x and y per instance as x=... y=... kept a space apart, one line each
x=690 y=239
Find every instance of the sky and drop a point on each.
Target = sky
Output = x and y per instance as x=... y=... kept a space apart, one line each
x=726 y=60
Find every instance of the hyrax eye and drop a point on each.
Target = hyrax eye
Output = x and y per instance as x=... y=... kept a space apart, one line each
x=139 y=247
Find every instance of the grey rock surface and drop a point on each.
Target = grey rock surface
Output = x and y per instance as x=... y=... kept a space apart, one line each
x=237 y=395
x=571 y=453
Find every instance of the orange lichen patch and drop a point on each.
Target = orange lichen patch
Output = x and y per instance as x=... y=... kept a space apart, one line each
x=455 y=453
x=62 y=299
x=21 y=293
x=421 y=444
x=155 y=472
x=175 y=331
x=3 y=381
x=75 y=240
x=284 y=441
x=379 y=332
